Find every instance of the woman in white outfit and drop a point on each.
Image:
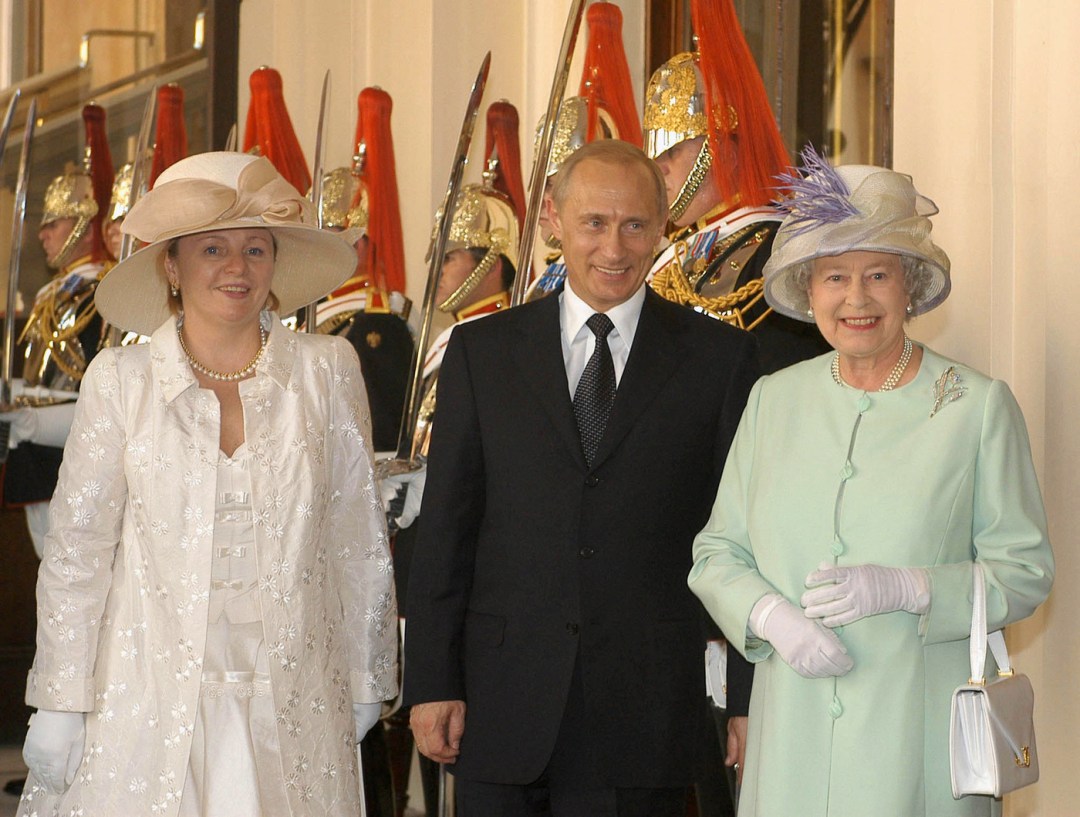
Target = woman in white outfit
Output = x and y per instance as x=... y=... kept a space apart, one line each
x=216 y=614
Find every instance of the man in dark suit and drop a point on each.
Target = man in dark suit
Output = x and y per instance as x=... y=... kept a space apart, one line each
x=553 y=652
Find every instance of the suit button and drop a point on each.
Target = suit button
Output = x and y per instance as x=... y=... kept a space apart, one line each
x=587 y=553
x=571 y=628
x=592 y=481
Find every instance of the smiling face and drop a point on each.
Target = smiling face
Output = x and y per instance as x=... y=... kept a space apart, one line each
x=860 y=303
x=223 y=275
x=609 y=226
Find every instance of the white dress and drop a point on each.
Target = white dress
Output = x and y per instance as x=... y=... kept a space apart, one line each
x=235 y=763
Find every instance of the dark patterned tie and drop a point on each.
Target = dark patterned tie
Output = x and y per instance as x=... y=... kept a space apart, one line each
x=596 y=389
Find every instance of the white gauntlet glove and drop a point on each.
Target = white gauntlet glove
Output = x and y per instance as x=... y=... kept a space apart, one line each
x=402 y=495
x=365 y=716
x=53 y=748
x=841 y=595
x=810 y=649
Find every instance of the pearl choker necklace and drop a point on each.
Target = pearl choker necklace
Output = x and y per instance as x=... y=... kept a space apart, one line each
x=894 y=376
x=225 y=377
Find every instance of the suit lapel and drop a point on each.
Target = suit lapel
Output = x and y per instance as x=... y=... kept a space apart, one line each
x=540 y=360
x=654 y=357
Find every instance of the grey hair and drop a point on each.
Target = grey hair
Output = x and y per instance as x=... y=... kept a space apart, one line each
x=918 y=279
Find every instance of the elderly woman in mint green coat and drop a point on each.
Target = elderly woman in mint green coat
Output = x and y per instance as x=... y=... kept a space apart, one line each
x=860 y=488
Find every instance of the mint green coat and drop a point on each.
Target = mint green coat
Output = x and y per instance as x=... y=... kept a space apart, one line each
x=820 y=472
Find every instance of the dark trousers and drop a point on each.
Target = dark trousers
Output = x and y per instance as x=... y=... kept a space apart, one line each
x=570 y=786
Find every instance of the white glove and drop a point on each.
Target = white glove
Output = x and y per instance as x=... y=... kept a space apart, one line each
x=805 y=645
x=23 y=425
x=408 y=491
x=841 y=595
x=44 y=425
x=54 y=746
x=365 y=716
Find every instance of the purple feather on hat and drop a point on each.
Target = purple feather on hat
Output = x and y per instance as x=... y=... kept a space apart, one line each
x=815 y=195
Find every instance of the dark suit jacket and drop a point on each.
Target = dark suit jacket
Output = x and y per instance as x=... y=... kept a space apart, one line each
x=528 y=561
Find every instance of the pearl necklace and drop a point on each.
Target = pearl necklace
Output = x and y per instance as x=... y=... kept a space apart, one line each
x=225 y=377
x=894 y=376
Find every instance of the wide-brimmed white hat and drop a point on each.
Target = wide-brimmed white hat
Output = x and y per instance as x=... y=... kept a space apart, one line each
x=221 y=191
x=854 y=207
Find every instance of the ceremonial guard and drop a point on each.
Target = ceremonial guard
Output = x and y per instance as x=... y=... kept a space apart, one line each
x=63 y=331
x=268 y=130
x=170 y=146
x=370 y=309
x=709 y=126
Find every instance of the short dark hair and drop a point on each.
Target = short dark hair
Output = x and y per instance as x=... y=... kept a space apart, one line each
x=616 y=152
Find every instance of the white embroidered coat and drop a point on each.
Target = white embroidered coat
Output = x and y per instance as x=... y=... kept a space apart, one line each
x=123 y=588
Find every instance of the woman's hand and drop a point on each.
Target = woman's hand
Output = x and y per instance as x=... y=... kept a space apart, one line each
x=841 y=595
x=805 y=645
x=365 y=716
x=53 y=748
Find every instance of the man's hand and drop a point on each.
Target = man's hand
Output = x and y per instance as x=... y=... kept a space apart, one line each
x=437 y=728
x=736 y=745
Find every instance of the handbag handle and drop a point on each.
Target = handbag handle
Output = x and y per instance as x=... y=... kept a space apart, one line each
x=979 y=635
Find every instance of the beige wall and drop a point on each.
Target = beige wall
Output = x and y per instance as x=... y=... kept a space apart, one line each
x=987 y=119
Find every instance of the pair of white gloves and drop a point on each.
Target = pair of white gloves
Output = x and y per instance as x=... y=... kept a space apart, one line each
x=53 y=748
x=402 y=495
x=803 y=636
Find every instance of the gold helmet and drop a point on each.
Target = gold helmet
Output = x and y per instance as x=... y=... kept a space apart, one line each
x=483 y=219
x=120 y=202
x=675 y=108
x=70 y=196
x=339 y=187
x=572 y=131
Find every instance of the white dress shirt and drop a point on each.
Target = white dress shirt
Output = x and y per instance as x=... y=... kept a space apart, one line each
x=578 y=341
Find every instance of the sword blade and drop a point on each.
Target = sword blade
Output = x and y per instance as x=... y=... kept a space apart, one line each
x=316 y=194
x=17 y=222
x=444 y=218
x=540 y=163
x=140 y=169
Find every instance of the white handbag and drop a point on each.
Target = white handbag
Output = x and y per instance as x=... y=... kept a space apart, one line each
x=991 y=732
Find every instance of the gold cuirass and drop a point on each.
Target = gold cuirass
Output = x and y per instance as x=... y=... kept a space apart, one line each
x=55 y=357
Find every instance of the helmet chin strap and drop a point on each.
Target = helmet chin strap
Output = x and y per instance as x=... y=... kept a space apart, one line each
x=694 y=179
x=458 y=296
x=78 y=230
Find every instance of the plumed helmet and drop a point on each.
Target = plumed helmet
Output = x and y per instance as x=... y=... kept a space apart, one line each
x=170 y=138
x=605 y=78
x=483 y=219
x=502 y=155
x=269 y=130
x=120 y=201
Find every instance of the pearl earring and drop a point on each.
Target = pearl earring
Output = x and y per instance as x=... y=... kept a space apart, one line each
x=175 y=290
x=810 y=312
x=909 y=308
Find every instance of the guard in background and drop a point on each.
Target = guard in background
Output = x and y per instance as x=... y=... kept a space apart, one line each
x=370 y=309
x=63 y=331
x=170 y=146
x=709 y=126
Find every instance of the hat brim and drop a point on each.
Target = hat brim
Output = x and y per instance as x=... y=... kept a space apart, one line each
x=785 y=297
x=309 y=264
